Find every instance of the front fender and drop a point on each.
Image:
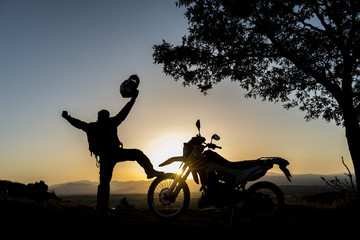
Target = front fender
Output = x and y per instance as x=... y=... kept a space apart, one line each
x=171 y=160
x=195 y=177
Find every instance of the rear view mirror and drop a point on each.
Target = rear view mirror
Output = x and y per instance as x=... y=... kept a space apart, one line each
x=215 y=137
x=198 y=125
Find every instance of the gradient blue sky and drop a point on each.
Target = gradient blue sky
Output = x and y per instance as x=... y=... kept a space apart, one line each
x=73 y=54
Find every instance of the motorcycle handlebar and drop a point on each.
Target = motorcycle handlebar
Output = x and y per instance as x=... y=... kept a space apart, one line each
x=213 y=146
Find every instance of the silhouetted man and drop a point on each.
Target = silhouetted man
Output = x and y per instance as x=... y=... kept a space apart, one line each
x=105 y=144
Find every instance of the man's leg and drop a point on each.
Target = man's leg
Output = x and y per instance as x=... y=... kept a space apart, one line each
x=140 y=158
x=103 y=192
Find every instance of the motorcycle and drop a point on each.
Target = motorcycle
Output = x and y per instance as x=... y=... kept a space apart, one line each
x=223 y=183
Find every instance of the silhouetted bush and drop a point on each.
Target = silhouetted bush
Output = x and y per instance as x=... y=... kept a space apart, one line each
x=37 y=191
x=124 y=204
x=344 y=185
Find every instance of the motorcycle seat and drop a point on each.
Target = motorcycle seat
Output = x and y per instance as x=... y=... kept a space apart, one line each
x=239 y=165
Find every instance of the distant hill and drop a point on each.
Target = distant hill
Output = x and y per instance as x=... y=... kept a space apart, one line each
x=299 y=179
x=140 y=187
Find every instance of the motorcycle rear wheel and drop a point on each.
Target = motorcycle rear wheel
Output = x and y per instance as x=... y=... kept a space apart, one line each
x=265 y=199
x=162 y=206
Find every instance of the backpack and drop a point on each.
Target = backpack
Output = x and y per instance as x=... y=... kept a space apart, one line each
x=101 y=138
x=95 y=137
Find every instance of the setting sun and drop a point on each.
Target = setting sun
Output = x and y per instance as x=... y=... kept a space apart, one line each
x=164 y=148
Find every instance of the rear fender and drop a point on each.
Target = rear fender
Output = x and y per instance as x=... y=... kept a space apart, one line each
x=285 y=170
x=172 y=160
x=282 y=165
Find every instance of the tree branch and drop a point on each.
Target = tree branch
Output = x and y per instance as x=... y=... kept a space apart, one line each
x=303 y=66
x=349 y=174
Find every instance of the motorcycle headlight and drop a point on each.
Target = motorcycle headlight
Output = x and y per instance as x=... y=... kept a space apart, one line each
x=187 y=149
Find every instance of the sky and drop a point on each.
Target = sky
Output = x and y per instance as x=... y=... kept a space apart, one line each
x=73 y=55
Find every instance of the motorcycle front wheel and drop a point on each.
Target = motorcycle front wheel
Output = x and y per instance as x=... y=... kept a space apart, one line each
x=167 y=205
x=264 y=200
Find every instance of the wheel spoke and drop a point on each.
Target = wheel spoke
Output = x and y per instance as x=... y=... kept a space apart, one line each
x=162 y=202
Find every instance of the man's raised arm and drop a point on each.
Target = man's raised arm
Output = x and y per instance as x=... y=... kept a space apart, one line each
x=125 y=110
x=73 y=121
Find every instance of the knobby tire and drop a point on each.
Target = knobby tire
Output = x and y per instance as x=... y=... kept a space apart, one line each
x=167 y=210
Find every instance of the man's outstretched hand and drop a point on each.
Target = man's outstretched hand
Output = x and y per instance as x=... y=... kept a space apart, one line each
x=65 y=114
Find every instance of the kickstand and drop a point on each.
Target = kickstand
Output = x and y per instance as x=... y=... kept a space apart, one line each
x=232 y=216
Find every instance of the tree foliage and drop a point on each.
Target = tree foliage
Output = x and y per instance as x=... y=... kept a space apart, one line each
x=304 y=53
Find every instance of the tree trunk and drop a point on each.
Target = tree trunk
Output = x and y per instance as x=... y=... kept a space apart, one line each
x=352 y=130
x=354 y=148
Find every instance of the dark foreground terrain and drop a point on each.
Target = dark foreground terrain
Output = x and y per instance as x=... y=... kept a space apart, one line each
x=30 y=210
x=63 y=219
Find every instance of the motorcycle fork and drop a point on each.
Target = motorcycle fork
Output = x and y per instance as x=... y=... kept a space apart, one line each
x=179 y=180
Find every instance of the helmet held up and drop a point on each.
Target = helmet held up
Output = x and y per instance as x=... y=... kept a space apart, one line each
x=129 y=86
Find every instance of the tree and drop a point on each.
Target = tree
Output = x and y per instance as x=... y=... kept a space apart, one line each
x=303 y=53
